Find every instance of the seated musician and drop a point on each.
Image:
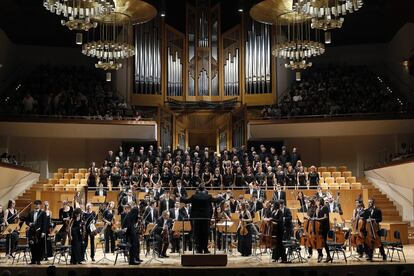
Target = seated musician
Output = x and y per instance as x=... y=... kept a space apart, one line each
x=374 y=214
x=162 y=233
x=278 y=194
x=175 y=215
x=334 y=206
x=278 y=251
x=255 y=206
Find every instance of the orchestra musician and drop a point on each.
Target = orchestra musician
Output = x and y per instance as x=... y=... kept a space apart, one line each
x=244 y=245
x=89 y=219
x=48 y=252
x=255 y=205
x=150 y=216
x=372 y=213
x=319 y=193
x=185 y=211
x=179 y=190
x=11 y=216
x=166 y=203
x=287 y=220
x=108 y=219
x=322 y=215
x=277 y=216
x=129 y=199
x=162 y=234
x=175 y=215
x=357 y=215
x=100 y=190
x=334 y=206
x=65 y=215
x=130 y=226
x=278 y=194
x=37 y=223
x=76 y=236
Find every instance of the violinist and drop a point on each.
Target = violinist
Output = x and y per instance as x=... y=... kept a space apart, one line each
x=175 y=215
x=89 y=218
x=76 y=236
x=373 y=214
x=37 y=232
x=130 y=227
x=162 y=233
x=11 y=216
x=322 y=215
x=334 y=206
x=278 y=251
x=108 y=219
x=245 y=231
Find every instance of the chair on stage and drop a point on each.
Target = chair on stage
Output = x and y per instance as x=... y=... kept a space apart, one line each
x=336 y=247
x=294 y=251
x=395 y=246
x=122 y=247
x=61 y=251
x=22 y=251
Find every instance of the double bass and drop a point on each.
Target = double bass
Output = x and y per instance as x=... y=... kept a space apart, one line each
x=372 y=238
x=357 y=234
x=268 y=236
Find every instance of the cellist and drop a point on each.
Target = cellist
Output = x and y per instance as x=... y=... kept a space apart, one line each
x=373 y=214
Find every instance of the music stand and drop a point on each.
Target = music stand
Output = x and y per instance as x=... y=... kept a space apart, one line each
x=223 y=226
x=104 y=258
x=149 y=231
x=8 y=231
x=182 y=227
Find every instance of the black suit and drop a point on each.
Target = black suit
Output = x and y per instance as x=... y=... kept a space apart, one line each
x=131 y=233
x=163 y=205
x=279 y=251
x=180 y=192
x=277 y=197
x=175 y=242
x=287 y=223
x=255 y=208
x=376 y=214
x=150 y=218
x=201 y=208
x=37 y=234
x=159 y=193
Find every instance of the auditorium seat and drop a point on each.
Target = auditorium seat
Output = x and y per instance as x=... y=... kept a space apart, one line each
x=53 y=181
x=326 y=174
x=68 y=175
x=61 y=170
x=332 y=169
x=321 y=180
x=344 y=186
x=79 y=175
x=351 y=179
x=329 y=180
x=356 y=186
x=336 y=174
x=79 y=188
x=84 y=182
x=58 y=175
x=59 y=187
x=340 y=180
x=63 y=181
x=322 y=169
x=74 y=181
x=346 y=174
x=83 y=170
x=333 y=186
x=324 y=186
x=86 y=175
x=342 y=168
x=70 y=187
x=72 y=170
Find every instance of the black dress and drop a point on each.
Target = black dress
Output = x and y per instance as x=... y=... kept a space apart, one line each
x=269 y=179
x=244 y=245
x=165 y=179
x=313 y=179
x=11 y=239
x=76 y=244
x=302 y=179
x=239 y=180
x=186 y=179
x=281 y=178
x=115 y=179
x=249 y=178
x=261 y=179
x=216 y=181
x=227 y=180
x=195 y=180
x=175 y=177
x=290 y=179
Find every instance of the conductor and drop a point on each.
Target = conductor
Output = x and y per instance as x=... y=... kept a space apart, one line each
x=201 y=211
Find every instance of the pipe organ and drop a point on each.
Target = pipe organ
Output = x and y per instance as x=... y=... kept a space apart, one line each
x=257 y=57
x=148 y=58
x=175 y=51
x=203 y=62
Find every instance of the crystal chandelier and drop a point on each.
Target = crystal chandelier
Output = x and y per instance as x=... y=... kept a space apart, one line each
x=78 y=14
x=109 y=43
x=327 y=14
x=296 y=42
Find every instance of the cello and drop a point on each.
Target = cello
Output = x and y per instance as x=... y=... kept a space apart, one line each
x=372 y=239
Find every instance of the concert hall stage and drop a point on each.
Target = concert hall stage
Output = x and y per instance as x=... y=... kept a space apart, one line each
x=237 y=265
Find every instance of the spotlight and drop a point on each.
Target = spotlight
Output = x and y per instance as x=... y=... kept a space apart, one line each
x=298 y=76
x=328 y=38
x=162 y=9
x=108 y=76
x=240 y=6
x=79 y=38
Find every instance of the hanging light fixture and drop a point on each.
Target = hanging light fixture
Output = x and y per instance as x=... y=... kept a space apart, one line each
x=296 y=42
x=327 y=14
x=110 y=42
x=78 y=14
